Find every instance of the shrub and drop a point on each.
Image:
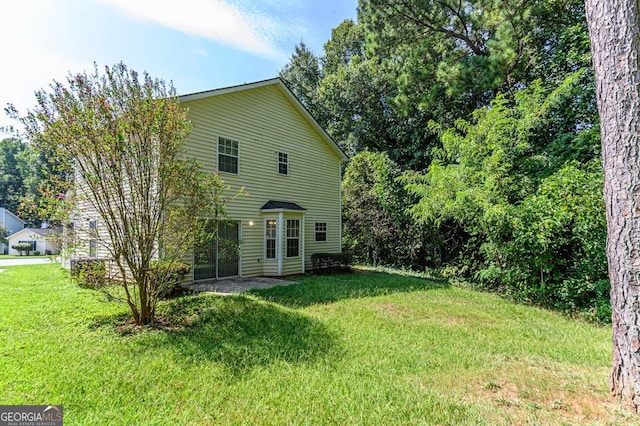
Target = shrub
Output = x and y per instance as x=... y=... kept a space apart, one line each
x=23 y=248
x=168 y=275
x=48 y=252
x=36 y=253
x=331 y=262
x=89 y=273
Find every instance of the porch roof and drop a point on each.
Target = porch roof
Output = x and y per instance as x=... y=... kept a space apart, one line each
x=271 y=206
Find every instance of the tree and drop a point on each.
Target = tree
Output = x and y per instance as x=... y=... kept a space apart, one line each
x=376 y=225
x=449 y=51
x=614 y=29
x=23 y=248
x=354 y=92
x=21 y=174
x=353 y=97
x=11 y=179
x=522 y=208
x=302 y=75
x=450 y=57
x=117 y=140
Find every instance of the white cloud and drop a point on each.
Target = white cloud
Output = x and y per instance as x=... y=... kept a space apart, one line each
x=27 y=66
x=216 y=20
x=31 y=69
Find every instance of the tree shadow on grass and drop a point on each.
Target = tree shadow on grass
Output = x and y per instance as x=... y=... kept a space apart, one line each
x=324 y=289
x=260 y=327
x=240 y=332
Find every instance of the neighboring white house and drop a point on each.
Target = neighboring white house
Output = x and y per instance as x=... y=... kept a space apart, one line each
x=11 y=223
x=40 y=238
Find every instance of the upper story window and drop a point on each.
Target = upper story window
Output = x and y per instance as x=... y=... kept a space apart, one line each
x=227 y=155
x=283 y=163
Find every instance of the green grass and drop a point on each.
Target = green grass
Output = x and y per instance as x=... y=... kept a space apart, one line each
x=366 y=348
x=11 y=256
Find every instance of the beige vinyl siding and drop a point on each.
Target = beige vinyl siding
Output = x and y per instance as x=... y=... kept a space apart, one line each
x=81 y=223
x=264 y=122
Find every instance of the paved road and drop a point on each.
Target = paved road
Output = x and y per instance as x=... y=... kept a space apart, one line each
x=25 y=261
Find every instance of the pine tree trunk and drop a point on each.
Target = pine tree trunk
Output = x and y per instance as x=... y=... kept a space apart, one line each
x=614 y=29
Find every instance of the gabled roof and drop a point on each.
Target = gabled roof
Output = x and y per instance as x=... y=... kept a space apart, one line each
x=2 y=209
x=281 y=205
x=43 y=232
x=285 y=91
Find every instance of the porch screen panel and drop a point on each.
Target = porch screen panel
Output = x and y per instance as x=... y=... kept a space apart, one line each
x=205 y=259
x=228 y=240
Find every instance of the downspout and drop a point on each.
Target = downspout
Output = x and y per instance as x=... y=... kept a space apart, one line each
x=340 y=204
x=279 y=244
x=302 y=241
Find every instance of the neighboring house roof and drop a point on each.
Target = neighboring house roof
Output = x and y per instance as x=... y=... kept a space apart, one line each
x=43 y=232
x=288 y=94
x=4 y=211
x=281 y=205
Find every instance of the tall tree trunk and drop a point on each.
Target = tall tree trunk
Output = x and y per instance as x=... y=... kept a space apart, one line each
x=614 y=29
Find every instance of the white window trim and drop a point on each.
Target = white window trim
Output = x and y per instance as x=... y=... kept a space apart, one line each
x=278 y=163
x=326 y=232
x=218 y=154
x=287 y=238
x=275 y=238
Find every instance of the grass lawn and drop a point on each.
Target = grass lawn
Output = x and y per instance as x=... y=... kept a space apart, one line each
x=366 y=348
x=11 y=256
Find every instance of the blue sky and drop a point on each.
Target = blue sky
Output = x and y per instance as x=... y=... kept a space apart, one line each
x=198 y=44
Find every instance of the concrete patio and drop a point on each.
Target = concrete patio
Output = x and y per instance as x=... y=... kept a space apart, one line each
x=236 y=285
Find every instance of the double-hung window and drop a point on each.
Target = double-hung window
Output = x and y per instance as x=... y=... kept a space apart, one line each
x=321 y=231
x=283 y=163
x=293 y=237
x=227 y=155
x=270 y=238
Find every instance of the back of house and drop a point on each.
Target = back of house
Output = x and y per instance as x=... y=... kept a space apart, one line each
x=260 y=137
x=257 y=136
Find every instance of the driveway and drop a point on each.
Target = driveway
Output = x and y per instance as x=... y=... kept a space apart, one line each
x=26 y=261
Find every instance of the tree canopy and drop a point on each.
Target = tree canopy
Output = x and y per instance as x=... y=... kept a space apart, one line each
x=21 y=174
x=463 y=118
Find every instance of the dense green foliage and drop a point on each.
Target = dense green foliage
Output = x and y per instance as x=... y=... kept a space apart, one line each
x=352 y=96
x=21 y=172
x=89 y=273
x=365 y=348
x=533 y=217
x=475 y=143
x=377 y=226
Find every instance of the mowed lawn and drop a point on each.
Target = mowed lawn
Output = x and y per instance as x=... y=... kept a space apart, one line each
x=363 y=348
